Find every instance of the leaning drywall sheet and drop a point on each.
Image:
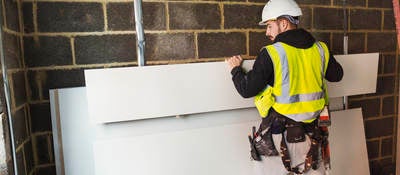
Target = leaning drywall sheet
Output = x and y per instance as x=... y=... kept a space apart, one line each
x=159 y=91
x=214 y=143
x=72 y=128
x=360 y=75
x=210 y=150
x=348 y=145
x=122 y=94
x=56 y=128
x=220 y=150
x=134 y=93
x=78 y=133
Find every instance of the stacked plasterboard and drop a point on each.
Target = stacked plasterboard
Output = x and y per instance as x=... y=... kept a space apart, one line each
x=182 y=119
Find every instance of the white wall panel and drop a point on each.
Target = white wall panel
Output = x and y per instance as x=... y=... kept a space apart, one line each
x=209 y=143
x=73 y=134
x=121 y=94
x=348 y=145
x=134 y=93
x=360 y=75
x=202 y=151
x=77 y=133
x=215 y=150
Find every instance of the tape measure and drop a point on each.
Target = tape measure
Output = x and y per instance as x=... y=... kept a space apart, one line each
x=396 y=10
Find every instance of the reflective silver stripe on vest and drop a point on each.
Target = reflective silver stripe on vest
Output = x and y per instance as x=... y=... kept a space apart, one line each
x=285 y=98
x=303 y=116
x=322 y=53
x=299 y=97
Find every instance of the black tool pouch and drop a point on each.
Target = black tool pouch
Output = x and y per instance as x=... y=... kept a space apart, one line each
x=254 y=155
x=295 y=133
x=264 y=144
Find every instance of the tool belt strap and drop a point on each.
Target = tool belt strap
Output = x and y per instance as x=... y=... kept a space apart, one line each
x=311 y=160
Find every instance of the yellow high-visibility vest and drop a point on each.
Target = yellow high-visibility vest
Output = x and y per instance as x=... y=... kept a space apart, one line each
x=299 y=90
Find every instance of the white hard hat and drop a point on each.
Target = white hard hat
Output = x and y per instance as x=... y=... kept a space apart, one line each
x=276 y=8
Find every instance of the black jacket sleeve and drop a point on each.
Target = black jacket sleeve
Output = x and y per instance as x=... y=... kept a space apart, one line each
x=334 y=72
x=251 y=83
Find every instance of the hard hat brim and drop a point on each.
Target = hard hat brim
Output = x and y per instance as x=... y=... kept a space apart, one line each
x=262 y=23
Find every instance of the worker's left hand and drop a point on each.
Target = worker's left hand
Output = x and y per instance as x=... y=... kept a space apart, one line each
x=234 y=61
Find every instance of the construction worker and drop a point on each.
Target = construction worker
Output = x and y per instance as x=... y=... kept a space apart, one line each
x=287 y=81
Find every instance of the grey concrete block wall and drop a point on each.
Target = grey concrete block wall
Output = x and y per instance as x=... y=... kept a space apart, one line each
x=11 y=15
x=386 y=85
x=389 y=64
x=214 y=45
x=27 y=10
x=69 y=17
x=47 y=51
x=352 y=3
x=42 y=144
x=18 y=89
x=12 y=51
x=29 y=157
x=41 y=81
x=328 y=18
x=257 y=40
x=384 y=126
x=387 y=147
x=388 y=19
x=373 y=149
x=40 y=117
x=311 y=2
x=21 y=163
x=242 y=16
x=50 y=43
x=356 y=42
x=20 y=126
x=381 y=42
x=105 y=49
x=379 y=3
x=120 y=16
x=194 y=16
x=306 y=18
x=169 y=46
x=365 y=19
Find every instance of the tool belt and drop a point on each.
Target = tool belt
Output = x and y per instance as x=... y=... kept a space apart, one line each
x=263 y=139
x=274 y=123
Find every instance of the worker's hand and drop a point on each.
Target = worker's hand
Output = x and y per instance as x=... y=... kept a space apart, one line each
x=234 y=61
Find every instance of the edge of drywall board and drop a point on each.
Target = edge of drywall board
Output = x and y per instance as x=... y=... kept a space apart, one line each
x=99 y=76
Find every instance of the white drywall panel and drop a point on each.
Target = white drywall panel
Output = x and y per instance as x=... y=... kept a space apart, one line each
x=77 y=133
x=220 y=150
x=348 y=145
x=73 y=133
x=211 y=150
x=360 y=75
x=159 y=91
x=213 y=143
x=56 y=128
x=134 y=93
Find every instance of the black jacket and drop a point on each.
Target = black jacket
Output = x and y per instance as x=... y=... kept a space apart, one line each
x=250 y=84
